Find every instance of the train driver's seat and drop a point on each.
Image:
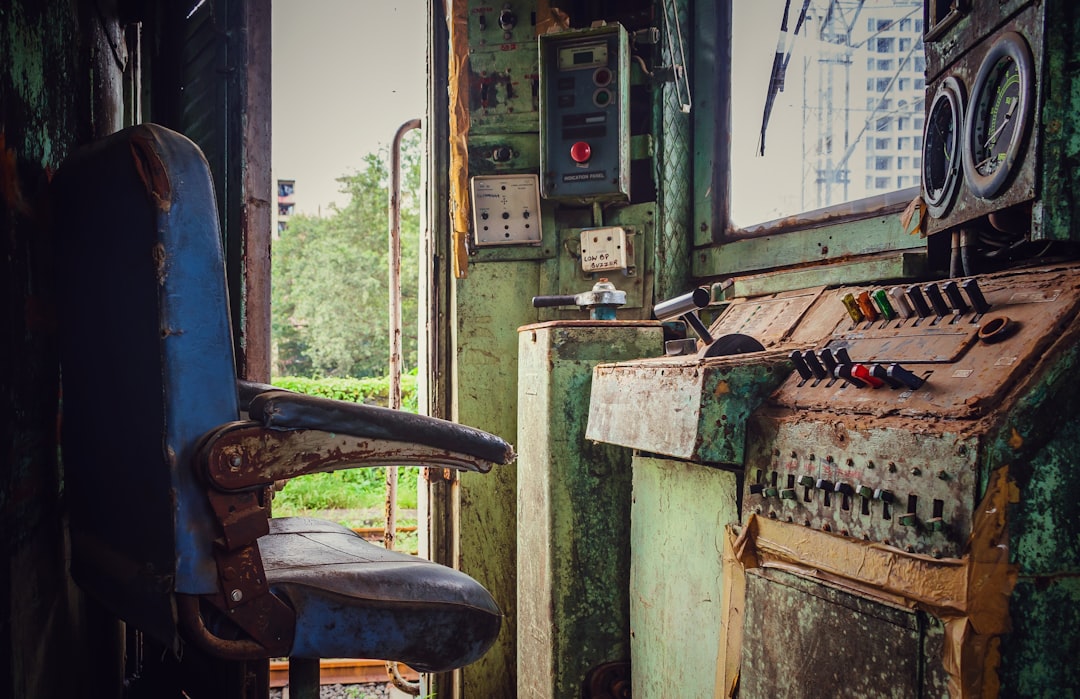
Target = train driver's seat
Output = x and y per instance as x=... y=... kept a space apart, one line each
x=167 y=459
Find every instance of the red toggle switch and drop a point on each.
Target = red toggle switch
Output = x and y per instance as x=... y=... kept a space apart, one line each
x=581 y=152
x=862 y=371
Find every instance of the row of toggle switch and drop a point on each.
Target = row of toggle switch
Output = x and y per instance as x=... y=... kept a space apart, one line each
x=827 y=364
x=846 y=491
x=917 y=302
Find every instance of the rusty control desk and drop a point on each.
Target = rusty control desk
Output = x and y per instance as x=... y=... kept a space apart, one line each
x=903 y=474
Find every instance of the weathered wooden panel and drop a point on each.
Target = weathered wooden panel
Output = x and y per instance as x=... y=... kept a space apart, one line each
x=678 y=517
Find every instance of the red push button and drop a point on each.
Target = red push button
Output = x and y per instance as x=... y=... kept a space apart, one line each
x=581 y=152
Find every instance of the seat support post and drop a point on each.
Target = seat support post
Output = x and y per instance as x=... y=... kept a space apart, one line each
x=303 y=678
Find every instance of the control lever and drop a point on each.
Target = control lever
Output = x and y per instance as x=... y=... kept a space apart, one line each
x=900 y=302
x=844 y=372
x=955 y=297
x=917 y=301
x=975 y=295
x=686 y=307
x=601 y=300
x=863 y=373
x=867 y=306
x=899 y=373
x=842 y=356
x=881 y=299
x=828 y=360
x=800 y=365
x=941 y=309
x=815 y=366
x=878 y=371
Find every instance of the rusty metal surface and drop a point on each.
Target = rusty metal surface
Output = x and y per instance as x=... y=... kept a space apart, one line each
x=684 y=407
x=863 y=480
x=255 y=197
x=976 y=375
x=768 y=319
x=803 y=639
x=959 y=54
x=246 y=455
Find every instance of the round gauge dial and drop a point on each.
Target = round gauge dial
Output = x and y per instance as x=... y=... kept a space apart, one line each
x=1002 y=104
x=941 y=147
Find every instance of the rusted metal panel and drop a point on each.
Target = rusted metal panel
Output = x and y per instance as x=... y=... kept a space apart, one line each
x=804 y=639
x=976 y=374
x=686 y=408
x=905 y=484
x=677 y=529
x=573 y=508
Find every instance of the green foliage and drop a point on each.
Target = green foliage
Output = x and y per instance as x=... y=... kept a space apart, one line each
x=374 y=390
x=356 y=488
x=330 y=292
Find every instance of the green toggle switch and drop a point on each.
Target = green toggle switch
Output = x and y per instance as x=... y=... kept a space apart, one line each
x=807 y=481
x=771 y=492
x=908 y=520
x=865 y=491
x=788 y=494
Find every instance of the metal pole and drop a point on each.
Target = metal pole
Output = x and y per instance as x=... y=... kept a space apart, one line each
x=395 y=315
x=394 y=290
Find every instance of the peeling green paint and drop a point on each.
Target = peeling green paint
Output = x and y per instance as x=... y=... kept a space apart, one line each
x=677 y=531
x=573 y=509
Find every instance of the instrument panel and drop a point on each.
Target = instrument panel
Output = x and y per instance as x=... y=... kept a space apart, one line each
x=878 y=431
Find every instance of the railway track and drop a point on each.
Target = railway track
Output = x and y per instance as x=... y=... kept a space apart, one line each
x=345 y=671
x=341 y=671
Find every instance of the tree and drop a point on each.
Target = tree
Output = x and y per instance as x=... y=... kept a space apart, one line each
x=329 y=300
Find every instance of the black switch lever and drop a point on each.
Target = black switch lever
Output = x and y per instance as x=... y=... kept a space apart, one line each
x=815 y=366
x=899 y=373
x=800 y=365
x=941 y=309
x=878 y=371
x=975 y=295
x=918 y=302
x=844 y=372
x=828 y=360
x=842 y=356
x=955 y=297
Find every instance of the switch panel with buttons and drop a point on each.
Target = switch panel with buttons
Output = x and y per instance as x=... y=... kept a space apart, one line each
x=584 y=115
x=878 y=431
x=506 y=210
x=900 y=487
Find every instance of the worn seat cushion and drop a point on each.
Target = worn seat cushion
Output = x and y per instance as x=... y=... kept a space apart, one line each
x=354 y=599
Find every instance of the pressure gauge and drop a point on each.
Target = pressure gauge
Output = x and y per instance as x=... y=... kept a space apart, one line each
x=941 y=147
x=1002 y=106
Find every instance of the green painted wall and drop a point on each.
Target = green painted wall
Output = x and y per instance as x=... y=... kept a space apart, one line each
x=490 y=304
x=678 y=516
x=573 y=525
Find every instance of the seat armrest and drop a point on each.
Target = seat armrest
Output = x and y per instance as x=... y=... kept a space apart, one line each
x=285 y=410
x=247 y=391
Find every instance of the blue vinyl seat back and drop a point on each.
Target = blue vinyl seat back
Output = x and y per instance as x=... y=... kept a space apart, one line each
x=147 y=367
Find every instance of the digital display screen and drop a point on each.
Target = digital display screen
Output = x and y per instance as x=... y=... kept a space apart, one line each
x=581 y=56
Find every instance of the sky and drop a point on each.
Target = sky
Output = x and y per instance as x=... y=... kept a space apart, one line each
x=346 y=75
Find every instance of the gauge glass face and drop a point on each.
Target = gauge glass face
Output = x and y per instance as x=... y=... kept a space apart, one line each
x=996 y=116
x=941 y=149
